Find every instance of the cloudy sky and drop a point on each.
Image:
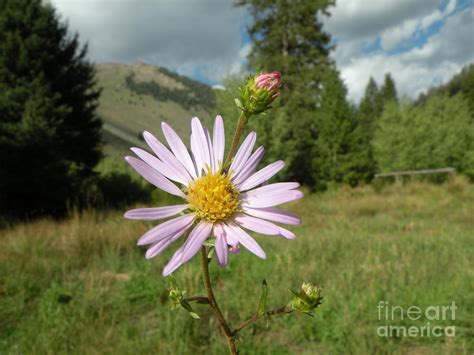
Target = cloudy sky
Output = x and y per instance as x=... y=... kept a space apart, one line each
x=420 y=42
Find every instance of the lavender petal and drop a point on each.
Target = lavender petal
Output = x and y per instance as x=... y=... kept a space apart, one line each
x=201 y=148
x=250 y=166
x=246 y=240
x=195 y=240
x=257 y=225
x=262 y=175
x=218 y=139
x=154 y=177
x=154 y=213
x=243 y=153
x=166 y=229
x=166 y=170
x=273 y=214
x=178 y=148
x=164 y=154
x=221 y=246
x=273 y=199
x=158 y=247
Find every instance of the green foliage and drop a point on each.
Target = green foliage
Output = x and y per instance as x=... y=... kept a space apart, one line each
x=438 y=133
x=336 y=150
x=371 y=105
x=462 y=82
x=262 y=301
x=49 y=132
x=118 y=189
x=370 y=109
x=312 y=127
x=388 y=90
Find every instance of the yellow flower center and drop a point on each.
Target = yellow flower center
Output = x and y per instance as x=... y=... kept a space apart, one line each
x=214 y=197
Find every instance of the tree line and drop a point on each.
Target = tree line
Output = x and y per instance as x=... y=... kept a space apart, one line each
x=50 y=134
x=324 y=138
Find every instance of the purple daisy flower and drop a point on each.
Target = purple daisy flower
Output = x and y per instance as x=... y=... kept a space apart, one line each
x=217 y=203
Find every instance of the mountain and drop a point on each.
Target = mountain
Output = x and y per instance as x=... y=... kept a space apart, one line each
x=139 y=97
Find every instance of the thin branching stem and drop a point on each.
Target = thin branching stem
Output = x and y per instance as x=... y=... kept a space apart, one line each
x=273 y=312
x=213 y=303
x=198 y=299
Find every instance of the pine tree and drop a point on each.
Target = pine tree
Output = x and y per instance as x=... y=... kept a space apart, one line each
x=49 y=132
x=336 y=154
x=389 y=143
x=288 y=36
x=370 y=109
x=388 y=90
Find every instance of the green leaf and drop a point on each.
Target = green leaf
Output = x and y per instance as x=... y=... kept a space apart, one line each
x=194 y=315
x=210 y=253
x=239 y=104
x=262 y=303
x=187 y=307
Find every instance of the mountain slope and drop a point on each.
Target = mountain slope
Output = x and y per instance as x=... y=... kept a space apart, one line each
x=139 y=97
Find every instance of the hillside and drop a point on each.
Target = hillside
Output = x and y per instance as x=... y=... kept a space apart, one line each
x=138 y=97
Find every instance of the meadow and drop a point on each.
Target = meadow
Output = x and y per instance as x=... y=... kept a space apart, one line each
x=82 y=286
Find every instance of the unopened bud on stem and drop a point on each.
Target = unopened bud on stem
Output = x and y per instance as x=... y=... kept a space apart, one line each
x=307 y=299
x=259 y=93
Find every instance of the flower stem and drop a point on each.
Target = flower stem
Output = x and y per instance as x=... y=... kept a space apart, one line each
x=243 y=119
x=273 y=312
x=198 y=299
x=212 y=302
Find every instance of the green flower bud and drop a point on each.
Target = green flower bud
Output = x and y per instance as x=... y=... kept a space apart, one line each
x=177 y=298
x=307 y=299
x=259 y=92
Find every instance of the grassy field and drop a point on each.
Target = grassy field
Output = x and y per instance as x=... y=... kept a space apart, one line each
x=82 y=286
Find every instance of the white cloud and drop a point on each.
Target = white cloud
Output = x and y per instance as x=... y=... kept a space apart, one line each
x=444 y=54
x=411 y=78
x=392 y=37
x=437 y=14
x=194 y=37
x=453 y=43
x=450 y=7
x=361 y=18
x=202 y=38
x=358 y=25
x=428 y=20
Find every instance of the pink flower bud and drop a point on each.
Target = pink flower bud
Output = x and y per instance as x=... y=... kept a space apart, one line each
x=268 y=81
x=259 y=92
